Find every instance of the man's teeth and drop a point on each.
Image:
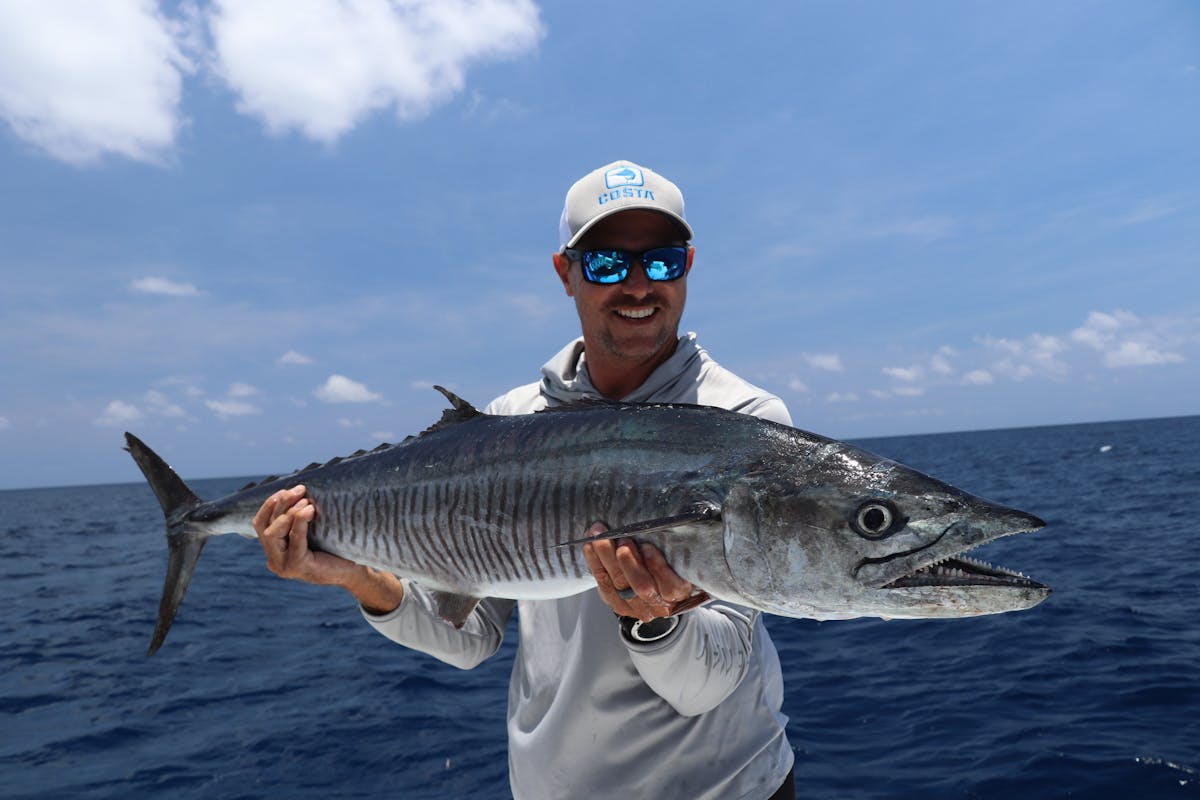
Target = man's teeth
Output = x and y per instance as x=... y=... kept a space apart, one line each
x=635 y=313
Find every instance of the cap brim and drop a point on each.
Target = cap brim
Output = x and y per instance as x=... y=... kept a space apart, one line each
x=678 y=220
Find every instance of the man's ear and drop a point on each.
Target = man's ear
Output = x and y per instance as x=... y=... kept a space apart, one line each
x=562 y=265
x=691 y=255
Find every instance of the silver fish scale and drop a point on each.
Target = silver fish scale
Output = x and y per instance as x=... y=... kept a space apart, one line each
x=468 y=501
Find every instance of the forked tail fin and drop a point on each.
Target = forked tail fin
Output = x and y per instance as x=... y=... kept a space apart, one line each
x=183 y=540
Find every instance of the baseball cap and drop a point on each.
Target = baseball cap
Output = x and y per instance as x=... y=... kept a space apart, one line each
x=613 y=188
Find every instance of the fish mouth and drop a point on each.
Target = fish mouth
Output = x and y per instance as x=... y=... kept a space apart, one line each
x=942 y=563
x=963 y=571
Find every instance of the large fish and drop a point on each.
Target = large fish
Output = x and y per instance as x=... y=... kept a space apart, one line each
x=750 y=511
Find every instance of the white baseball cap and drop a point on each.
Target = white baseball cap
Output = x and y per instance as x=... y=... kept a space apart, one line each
x=616 y=187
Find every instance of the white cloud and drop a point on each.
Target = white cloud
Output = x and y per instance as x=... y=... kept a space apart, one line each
x=232 y=407
x=1036 y=354
x=234 y=403
x=909 y=391
x=345 y=422
x=830 y=362
x=291 y=357
x=383 y=436
x=319 y=66
x=1123 y=340
x=159 y=404
x=906 y=374
x=940 y=362
x=118 y=413
x=340 y=389
x=797 y=385
x=4 y=423
x=1138 y=354
x=978 y=377
x=1099 y=329
x=80 y=80
x=157 y=285
x=841 y=397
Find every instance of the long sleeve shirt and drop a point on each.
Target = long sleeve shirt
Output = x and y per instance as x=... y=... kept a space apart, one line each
x=696 y=714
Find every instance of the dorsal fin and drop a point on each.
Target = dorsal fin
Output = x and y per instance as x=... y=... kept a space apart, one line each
x=461 y=412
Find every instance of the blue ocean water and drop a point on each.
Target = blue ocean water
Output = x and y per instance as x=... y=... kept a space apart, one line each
x=270 y=689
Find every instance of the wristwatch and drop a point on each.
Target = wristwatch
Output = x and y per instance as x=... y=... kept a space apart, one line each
x=638 y=632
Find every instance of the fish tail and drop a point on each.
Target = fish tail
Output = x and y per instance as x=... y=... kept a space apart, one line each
x=184 y=540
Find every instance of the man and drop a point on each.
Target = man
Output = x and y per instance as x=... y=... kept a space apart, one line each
x=611 y=694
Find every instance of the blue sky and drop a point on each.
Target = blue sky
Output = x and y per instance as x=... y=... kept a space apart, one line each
x=256 y=233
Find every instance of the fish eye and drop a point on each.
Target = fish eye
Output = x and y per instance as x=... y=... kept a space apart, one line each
x=875 y=519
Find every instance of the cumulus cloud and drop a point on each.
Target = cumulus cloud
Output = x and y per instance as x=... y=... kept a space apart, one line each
x=1124 y=340
x=1139 y=354
x=4 y=423
x=234 y=403
x=797 y=385
x=291 y=357
x=340 y=389
x=841 y=397
x=940 y=362
x=232 y=407
x=978 y=377
x=383 y=436
x=81 y=80
x=118 y=413
x=159 y=404
x=319 y=66
x=1036 y=354
x=830 y=362
x=906 y=374
x=158 y=285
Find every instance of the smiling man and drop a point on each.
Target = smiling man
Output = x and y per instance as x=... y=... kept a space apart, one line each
x=612 y=692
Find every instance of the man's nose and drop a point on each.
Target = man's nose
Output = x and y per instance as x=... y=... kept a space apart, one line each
x=637 y=283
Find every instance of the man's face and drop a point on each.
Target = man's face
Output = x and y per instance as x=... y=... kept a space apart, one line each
x=638 y=319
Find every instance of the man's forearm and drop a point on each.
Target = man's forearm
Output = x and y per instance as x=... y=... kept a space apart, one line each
x=376 y=591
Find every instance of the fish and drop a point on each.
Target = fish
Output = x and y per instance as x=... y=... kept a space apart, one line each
x=750 y=511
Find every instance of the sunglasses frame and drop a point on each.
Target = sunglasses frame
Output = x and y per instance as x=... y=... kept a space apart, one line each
x=627 y=257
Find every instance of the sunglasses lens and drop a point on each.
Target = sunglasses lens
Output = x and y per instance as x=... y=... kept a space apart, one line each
x=665 y=263
x=606 y=266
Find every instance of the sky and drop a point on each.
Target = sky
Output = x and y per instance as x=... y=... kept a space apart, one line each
x=256 y=233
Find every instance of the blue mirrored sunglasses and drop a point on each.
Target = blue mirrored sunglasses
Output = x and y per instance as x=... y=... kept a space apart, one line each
x=612 y=266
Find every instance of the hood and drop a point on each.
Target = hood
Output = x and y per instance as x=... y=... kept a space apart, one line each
x=565 y=377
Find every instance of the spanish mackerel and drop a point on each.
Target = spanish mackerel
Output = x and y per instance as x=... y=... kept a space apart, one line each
x=750 y=511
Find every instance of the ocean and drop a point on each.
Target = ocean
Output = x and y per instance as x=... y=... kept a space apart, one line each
x=268 y=689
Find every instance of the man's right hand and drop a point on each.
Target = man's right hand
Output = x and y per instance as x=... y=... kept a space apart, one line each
x=282 y=527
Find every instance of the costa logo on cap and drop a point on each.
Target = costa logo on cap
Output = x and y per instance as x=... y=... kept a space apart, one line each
x=624 y=176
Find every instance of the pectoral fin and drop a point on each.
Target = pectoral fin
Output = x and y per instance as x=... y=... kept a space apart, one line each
x=700 y=513
x=454 y=608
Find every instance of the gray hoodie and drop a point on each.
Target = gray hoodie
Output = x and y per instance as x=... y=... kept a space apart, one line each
x=694 y=715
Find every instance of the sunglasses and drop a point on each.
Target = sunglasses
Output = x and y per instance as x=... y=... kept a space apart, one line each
x=612 y=266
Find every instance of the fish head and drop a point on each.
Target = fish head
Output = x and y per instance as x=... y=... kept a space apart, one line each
x=859 y=535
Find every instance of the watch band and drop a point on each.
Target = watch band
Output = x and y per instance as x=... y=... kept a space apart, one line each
x=638 y=632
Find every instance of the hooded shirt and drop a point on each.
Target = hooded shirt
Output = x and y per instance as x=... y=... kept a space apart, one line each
x=695 y=715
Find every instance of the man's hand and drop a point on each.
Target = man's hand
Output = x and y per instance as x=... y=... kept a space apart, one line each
x=282 y=527
x=618 y=565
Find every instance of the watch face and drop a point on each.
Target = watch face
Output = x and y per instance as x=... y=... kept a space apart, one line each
x=637 y=631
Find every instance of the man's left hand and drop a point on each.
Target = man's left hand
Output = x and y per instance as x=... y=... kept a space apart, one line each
x=622 y=564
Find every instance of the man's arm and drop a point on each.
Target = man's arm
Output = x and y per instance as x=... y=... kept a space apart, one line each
x=282 y=527
x=699 y=663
